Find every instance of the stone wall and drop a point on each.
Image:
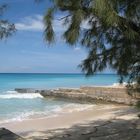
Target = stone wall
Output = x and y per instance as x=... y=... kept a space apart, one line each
x=113 y=94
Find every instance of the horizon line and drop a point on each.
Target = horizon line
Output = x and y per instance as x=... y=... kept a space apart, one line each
x=48 y=73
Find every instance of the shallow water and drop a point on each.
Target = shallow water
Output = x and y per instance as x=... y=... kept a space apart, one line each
x=15 y=106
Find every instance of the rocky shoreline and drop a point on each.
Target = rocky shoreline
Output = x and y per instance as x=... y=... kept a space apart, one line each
x=102 y=122
x=89 y=94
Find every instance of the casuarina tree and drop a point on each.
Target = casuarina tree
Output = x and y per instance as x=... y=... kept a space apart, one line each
x=6 y=28
x=112 y=36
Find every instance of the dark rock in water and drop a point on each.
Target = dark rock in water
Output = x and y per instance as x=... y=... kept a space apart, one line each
x=45 y=93
x=6 y=134
x=26 y=90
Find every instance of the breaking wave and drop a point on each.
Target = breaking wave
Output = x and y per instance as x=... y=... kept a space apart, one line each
x=14 y=94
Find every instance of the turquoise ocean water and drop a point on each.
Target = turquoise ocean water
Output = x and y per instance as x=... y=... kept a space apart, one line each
x=16 y=107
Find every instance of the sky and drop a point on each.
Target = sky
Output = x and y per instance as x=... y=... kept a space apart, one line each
x=26 y=51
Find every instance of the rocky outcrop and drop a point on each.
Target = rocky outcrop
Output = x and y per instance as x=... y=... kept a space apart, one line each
x=27 y=90
x=90 y=94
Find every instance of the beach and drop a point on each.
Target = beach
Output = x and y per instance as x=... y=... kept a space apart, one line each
x=16 y=106
x=77 y=111
x=70 y=70
x=44 y=128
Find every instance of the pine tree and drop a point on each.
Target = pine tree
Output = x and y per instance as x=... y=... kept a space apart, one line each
x=6 y=28
x=113 y=36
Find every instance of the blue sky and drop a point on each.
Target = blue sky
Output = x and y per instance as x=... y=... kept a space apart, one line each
x=26 y=51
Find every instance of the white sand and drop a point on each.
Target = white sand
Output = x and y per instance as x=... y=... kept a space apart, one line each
x=28 y=128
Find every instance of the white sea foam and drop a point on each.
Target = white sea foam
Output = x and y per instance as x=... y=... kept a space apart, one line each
x=54 y=112
x=123 y=84
x=69 y=108
x=118 y=84
x=77 y=107
x=14 y=94
x=11 y=92
x=21 y=117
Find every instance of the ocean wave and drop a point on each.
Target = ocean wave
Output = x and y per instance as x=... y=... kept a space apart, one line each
x=14 y=94
x=76 y=107
x=29 y=115
x=47 y=113
x=19 y=117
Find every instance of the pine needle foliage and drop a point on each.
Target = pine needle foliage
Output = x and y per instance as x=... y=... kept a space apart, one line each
x=6 y=28
x=112 y=38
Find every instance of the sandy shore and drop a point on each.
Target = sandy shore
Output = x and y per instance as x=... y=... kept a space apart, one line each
x=42 y=126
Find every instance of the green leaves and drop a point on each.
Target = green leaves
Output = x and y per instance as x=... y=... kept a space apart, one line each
x=113 y=37
x=6 y=28
x=73 y=32
x=48 y=19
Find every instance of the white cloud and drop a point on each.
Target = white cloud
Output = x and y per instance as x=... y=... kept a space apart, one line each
x=85 y=25
x=77 y=48
x=31 y=23
x=35 y=23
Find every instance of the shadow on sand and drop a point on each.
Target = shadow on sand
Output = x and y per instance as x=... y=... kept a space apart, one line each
x=118 y=128
x=113 y=129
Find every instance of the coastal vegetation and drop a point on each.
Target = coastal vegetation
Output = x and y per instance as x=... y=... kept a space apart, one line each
x=111 y=33
x=6 y=28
